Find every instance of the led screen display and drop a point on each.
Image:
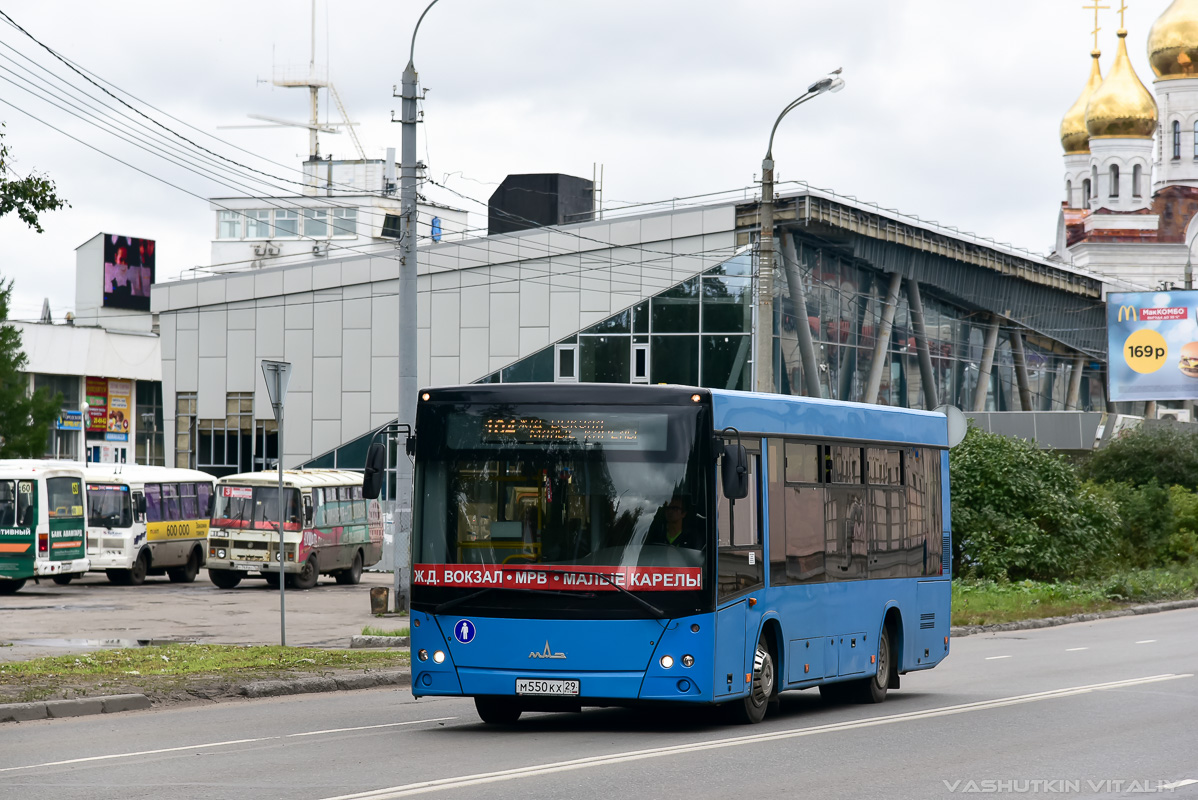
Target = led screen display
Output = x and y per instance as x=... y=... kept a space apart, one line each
x=128 y=272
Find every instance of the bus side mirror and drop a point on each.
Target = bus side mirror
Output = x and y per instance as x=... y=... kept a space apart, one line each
x=409 y=445
x=734 y=472
x=376 y=468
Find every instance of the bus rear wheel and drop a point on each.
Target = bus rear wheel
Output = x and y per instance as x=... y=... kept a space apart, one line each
x=63 y=580
x=224 y=578
x=186 y=573
x=497 y=710
x=351 y=576
x=751 y=709
x=11 y=586
x=306 y=577
x=873 y=689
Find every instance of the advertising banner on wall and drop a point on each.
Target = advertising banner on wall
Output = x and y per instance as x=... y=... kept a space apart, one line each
x=1152 y=344
x=119 y=409
x=96 y=394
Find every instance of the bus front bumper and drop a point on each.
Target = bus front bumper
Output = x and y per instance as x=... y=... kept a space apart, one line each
x=51 y=568
x=237 y=565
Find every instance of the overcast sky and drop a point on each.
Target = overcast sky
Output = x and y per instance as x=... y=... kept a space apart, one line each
x=950 y=111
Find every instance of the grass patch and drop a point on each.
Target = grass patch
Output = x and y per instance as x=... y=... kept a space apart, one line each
x=988 y=602
x=370 y=630
x=176 y=667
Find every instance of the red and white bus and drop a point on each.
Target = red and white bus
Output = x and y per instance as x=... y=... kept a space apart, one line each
x=329 y=528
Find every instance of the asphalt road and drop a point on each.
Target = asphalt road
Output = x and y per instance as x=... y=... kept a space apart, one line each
x=1102 y=709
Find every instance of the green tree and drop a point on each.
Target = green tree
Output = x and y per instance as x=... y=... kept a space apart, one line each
x=1021 y=512
x=28 y=196
x=24 y=419
x=1166 y=456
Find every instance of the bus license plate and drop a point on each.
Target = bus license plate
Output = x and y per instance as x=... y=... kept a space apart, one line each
x=562 y=688
x=244 y=567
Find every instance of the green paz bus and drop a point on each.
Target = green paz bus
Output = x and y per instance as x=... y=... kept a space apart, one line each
x=42 y=517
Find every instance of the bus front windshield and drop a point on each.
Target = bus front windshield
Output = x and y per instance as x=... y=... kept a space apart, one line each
x=576 y=498
x=255 y=507
x=109 y=506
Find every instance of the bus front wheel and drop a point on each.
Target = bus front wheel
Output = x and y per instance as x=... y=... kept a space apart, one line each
x=497 y=710
x=224 y=578
x=306 y=577
x=751 y=709
x=11 y=586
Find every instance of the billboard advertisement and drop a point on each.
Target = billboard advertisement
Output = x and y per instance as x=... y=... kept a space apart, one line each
x=119 y=410
x=1152 y=343
x=128 y=272
x=96 y=394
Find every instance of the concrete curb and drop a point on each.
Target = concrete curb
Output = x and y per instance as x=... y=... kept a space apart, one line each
x=342 y=683
x=378 y=641
x=80 y=707
x=1052 y=622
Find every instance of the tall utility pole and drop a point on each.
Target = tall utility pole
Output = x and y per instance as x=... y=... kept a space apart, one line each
x=408 y=386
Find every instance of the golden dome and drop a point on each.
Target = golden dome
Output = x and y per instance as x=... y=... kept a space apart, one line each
x=1074 y=136
x=1121 y=107
x=1173 y=41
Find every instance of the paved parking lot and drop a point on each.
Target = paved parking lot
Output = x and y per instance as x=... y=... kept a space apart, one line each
x=48 y=619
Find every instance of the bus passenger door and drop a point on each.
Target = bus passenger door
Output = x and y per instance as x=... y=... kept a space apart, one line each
x=740 y=572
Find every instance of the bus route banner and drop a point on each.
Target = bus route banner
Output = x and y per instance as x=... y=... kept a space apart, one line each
x=563 y=578
x=1152 y=342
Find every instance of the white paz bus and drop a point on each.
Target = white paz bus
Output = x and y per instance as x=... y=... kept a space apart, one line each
x=147 y=521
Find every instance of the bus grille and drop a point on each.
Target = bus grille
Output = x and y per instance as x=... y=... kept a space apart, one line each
x=927 y=621
x=946 y=555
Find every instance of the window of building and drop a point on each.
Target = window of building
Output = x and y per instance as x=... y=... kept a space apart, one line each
x=1114 y=180
x=257 y=223
x=1176 y=139
x=1069 y=194
x=345 y=222
x=1136 y=172
x=150 y=447
x=224 y=446
x=286 y=222
x=185 y=430
x=1086 y=193
x=566 y=370
x=640 y=363
x=316 y=223
x=228 y=225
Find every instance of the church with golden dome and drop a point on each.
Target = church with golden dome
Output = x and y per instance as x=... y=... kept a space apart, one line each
x=1131 y=158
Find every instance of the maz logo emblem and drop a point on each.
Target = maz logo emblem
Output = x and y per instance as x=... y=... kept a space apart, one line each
x=546 y=653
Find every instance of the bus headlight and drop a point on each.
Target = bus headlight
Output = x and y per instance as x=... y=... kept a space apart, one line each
x=422 y=654
x=688 y=661
x=220 y=553
x=438 y=656
x=667 y=662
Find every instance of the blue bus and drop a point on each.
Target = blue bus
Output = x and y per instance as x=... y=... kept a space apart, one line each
x=614 y=545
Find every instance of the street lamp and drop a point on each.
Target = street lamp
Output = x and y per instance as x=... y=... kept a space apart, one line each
x=83 y=407
x=765 y=278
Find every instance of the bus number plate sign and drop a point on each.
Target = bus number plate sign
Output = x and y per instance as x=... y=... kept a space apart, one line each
x=558 y=688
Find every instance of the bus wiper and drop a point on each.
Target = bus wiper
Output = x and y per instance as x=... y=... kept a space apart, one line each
x=448 y=604
x=652 y=609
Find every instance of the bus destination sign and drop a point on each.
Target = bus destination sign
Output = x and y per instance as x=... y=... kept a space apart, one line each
x=617 y=431
x=561 y=578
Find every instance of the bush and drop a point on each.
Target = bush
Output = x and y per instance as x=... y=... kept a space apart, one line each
x=1019 y=512
x=1163 y=455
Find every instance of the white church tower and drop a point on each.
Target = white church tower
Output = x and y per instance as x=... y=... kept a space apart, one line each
x=1173 y=54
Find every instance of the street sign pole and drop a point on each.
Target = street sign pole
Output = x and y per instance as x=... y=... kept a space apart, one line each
x=278 y=375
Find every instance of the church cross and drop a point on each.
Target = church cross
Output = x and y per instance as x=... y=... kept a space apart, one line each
x=1096 y=8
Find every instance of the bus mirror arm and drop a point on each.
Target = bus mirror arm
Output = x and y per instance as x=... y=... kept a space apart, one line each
x=734 y=469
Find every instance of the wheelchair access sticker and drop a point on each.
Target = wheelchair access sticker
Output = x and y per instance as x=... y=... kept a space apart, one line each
x=463 y=631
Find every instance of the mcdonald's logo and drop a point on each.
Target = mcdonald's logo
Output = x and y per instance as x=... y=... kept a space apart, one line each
x=1129 y=312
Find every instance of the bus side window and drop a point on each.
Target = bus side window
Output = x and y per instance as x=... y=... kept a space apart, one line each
x=153 y=502
x=359 y=505
x=204 y=499
x=139 y=509
x=187 y=496
x=318 y=508
x=308 y=515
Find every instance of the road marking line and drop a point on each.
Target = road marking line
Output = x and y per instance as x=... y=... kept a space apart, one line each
x=518 y=773
x=1178 y=784
x=995 y=658
x=228 y=743
x=1075 y=649
x=1146 y=641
